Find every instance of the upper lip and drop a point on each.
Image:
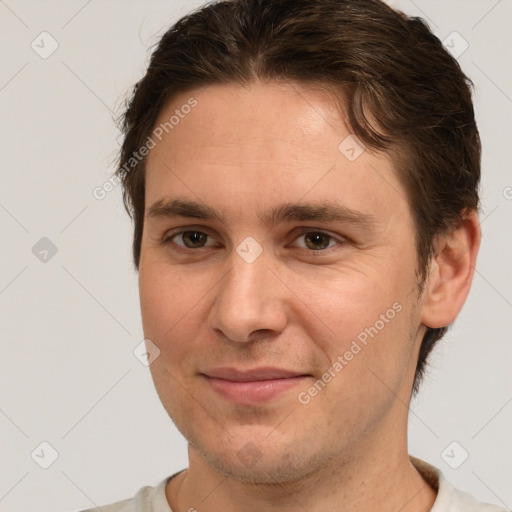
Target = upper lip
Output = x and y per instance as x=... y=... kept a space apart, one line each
x=254 y=374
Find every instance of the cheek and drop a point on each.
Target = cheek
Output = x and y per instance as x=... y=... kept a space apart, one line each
x=170 y=306
x=345 y=304
x=363 y=319
x=173 y=307
x=365 y=347
x=166 y=296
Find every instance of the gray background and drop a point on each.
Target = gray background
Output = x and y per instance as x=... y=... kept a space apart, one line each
x=70 y=323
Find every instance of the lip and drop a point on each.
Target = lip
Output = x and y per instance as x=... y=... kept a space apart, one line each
x=251 y=386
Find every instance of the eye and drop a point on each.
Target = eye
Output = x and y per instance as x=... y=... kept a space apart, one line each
x=310 y=240
x=317 y=240
x=191 y=239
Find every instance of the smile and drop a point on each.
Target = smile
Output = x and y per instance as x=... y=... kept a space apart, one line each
x=252 y=386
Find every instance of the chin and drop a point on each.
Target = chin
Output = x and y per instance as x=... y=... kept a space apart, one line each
x=262 y=462
x=262 y=472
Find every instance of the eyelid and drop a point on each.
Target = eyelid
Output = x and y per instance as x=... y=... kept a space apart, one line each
x=297 y=233
x=307 y=229
x=169 y=235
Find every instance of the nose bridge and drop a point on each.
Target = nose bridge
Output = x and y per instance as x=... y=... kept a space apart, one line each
x=247 y=298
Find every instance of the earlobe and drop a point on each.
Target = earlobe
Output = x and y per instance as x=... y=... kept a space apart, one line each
x=451 y=273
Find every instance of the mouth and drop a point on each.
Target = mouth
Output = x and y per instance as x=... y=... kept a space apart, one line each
x=252 y=386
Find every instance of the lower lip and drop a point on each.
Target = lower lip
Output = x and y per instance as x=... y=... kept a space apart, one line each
x=250 y=392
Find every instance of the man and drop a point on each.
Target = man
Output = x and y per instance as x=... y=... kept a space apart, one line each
x=303 y=181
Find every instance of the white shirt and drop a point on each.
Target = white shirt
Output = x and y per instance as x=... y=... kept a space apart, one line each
x=449 y=499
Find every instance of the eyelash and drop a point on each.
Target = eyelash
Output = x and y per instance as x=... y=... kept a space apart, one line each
x=340 y=240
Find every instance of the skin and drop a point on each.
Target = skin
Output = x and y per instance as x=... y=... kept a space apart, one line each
x=243 y=151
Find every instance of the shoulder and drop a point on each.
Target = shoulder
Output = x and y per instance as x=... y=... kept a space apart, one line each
x=147 y=499
x=450 y=499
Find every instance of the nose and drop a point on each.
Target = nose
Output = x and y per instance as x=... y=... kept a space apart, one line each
x=250 y=301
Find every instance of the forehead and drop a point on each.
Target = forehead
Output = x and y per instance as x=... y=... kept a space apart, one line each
x=273 y=114
x=265 y=142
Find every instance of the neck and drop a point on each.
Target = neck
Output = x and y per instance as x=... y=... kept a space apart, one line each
x=352 y=484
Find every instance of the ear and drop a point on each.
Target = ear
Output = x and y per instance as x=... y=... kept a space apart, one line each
x=451 y=273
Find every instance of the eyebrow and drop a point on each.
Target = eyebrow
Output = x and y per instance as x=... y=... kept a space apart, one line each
x=326 y=211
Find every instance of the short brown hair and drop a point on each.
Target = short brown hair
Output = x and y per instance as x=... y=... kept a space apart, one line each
x=381 y=63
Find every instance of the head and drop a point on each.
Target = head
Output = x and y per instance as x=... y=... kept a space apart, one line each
x=254 y=111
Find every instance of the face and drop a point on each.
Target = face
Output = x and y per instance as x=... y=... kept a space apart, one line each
x=277 y=279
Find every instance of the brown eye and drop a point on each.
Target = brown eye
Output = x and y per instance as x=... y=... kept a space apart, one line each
x=194 y=239
x=190 y=239
x=317 y=240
